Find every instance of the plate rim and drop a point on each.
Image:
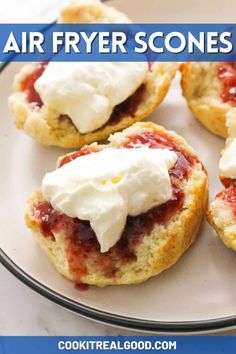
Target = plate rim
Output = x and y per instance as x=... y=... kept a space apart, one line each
x=125 y=322
x=107 y=317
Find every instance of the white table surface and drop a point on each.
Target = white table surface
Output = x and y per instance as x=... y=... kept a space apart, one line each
x=24 y=312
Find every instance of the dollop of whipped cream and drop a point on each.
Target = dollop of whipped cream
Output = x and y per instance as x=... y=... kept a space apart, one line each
x=227 y=164
x=88 y=92
x=107 y=186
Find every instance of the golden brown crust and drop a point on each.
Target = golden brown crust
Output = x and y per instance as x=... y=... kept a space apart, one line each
x=220 y=214
x=222 y=219
x=202 y=88
x=43 y=124
x=156 y=251
x=91 y=11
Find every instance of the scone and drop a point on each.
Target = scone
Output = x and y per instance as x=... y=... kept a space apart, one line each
x=140 y=201
x=210 y=91
x=73 y=104
x=222 y=211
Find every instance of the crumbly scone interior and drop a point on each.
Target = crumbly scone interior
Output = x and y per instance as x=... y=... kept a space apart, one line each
x=203 y=89
x=220 y=213
x=203 y=83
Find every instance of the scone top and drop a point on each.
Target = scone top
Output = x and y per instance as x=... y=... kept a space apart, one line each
x=91 y=11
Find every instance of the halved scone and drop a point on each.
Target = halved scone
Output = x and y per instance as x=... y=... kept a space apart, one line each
x=209 y=89
x=222 y=211
x=222 y=215
x=73 y=104
x=153 y=236
x=49 y=127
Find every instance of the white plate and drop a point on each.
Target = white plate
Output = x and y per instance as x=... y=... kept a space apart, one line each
x=197 y=294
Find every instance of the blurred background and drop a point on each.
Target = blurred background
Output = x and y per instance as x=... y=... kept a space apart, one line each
x=24 y=312
x=17 y=11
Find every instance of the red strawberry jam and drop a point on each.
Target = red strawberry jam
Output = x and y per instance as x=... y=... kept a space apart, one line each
x=164 y=141
x=81 y=286
x=128 y=107
x=81 y=241
x=227 y=182
x=227 y=75
x=70 y=157
x=48 y=218
x=229 y=195
x=27 y=85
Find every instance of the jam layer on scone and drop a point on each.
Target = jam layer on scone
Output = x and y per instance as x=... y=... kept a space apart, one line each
x=81 y=241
